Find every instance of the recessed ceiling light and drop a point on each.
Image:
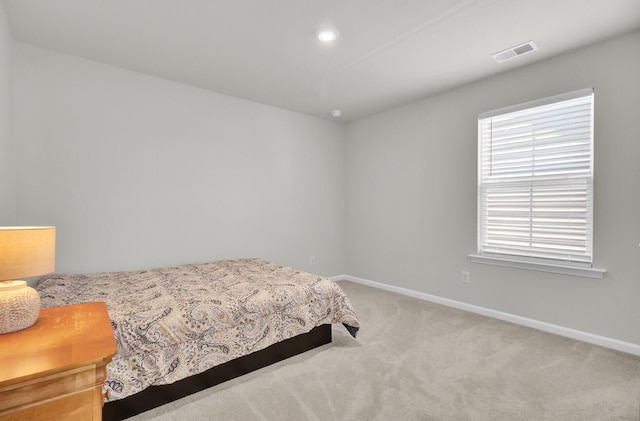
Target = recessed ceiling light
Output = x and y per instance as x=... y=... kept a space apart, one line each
x=336 y=113
x=328 y=35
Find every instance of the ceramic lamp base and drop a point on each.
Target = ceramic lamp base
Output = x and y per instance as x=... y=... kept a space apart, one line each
x=19 y=306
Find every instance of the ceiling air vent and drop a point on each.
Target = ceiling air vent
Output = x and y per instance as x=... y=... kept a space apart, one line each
x=514 y=52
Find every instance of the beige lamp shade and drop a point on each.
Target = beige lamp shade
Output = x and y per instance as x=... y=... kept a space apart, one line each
x=26 y=252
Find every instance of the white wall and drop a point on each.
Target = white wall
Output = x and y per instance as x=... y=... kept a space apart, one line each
x=137 y=172
x=411 y=188
x=7 y=164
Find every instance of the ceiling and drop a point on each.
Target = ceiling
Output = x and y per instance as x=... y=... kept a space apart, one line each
x=388 y=52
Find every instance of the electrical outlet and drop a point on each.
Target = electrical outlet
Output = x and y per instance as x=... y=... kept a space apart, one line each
x=312 y=260
x=465 y=277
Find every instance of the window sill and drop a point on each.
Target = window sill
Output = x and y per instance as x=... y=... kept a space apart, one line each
x=544 y=267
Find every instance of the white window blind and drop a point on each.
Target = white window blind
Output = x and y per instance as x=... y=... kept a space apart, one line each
x=535 y=180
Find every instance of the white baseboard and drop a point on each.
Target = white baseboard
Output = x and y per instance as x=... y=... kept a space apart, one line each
x=627 y=347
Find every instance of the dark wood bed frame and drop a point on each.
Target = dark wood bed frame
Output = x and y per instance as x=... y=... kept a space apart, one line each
x=155 y=396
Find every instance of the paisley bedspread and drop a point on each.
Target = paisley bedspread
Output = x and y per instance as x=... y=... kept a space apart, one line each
x=171 y=323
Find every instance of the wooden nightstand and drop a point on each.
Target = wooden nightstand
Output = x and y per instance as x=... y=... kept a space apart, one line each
x=55 y=369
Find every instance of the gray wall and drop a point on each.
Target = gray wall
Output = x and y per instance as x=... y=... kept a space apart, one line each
x=137 y=172
x=411 y=189
x=7 y=160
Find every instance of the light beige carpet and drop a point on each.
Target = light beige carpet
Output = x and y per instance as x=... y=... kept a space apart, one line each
x=414 y=360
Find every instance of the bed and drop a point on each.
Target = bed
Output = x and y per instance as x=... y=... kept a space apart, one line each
x=181 y=329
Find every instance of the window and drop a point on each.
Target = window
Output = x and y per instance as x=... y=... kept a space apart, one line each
x=535 y=183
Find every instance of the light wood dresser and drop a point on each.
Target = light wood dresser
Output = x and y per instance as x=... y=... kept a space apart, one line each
x=55 y=369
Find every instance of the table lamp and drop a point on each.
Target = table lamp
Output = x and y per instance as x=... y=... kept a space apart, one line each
x=25 y=252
